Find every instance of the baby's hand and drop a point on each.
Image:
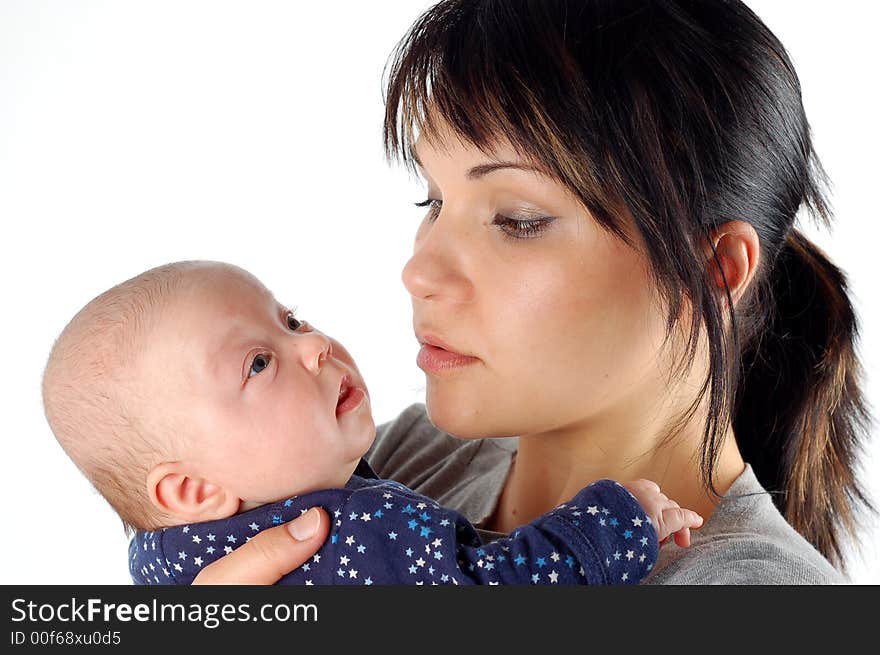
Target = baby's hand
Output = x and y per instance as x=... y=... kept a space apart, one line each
x=668 y=518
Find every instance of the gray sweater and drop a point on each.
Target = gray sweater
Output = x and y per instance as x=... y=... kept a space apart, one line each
x=745 y=540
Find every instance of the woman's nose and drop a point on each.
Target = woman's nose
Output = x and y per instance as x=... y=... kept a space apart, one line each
x=437 y=268
x=314 y=349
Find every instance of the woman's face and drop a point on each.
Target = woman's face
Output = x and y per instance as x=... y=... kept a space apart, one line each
x=559 y=314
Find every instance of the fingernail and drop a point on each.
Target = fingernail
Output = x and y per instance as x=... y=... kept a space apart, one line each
x=305 y=526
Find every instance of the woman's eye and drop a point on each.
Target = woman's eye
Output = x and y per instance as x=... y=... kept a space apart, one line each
x=512 y=228
x=522 y=229
x=259 y=364
x=434 y=206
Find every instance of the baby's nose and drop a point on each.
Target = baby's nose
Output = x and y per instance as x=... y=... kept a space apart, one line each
x=315 y=349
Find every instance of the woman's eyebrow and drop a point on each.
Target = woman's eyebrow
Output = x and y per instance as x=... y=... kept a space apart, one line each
x=484 y=169
x=476 y=172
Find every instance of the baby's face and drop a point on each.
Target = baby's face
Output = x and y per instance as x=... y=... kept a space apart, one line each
x=260 y=390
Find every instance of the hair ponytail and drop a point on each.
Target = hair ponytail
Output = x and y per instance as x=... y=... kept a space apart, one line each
x=800 y=415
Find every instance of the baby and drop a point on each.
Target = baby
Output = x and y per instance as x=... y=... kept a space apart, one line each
x=204 y=412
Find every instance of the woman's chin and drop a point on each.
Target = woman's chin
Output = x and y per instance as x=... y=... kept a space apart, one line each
x=459 y=415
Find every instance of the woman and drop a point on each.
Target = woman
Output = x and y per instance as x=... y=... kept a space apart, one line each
x=609 y=269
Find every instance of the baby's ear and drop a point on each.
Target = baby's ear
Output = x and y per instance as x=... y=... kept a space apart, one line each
x=176 y=492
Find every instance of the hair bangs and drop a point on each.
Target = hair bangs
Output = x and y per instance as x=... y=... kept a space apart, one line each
x=484 y=72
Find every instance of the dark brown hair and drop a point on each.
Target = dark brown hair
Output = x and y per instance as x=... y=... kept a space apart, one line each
x=688 y=113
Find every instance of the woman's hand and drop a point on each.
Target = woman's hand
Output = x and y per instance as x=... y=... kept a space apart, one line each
x=271 y=554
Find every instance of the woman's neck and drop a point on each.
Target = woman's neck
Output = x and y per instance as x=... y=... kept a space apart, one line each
x=552 y=467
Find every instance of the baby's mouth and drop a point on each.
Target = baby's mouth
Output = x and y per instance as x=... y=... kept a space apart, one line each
x=344 y=390
x=350 y=397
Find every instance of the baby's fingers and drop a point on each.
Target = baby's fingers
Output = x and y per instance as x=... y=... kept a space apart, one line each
x=683 y=538
x=678 y=521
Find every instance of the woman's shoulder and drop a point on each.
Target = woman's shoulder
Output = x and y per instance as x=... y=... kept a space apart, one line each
x=746 y=541
x=463 y=474
x=743 y=560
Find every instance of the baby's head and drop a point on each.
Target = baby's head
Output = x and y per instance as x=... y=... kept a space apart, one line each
x=189 y=394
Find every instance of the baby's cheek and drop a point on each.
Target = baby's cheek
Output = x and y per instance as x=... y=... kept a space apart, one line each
x=342 y=354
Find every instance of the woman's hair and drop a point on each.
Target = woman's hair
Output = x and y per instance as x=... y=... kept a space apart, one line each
x=686 y=114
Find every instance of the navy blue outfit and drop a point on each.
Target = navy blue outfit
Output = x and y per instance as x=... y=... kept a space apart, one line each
x=385 y=533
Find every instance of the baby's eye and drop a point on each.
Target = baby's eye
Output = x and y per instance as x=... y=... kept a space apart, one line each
x=293 y=322
x=259 y=364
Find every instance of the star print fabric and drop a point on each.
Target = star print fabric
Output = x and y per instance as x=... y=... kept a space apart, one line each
x=385 y=533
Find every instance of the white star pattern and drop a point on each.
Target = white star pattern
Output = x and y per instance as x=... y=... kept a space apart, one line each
x=516 y=557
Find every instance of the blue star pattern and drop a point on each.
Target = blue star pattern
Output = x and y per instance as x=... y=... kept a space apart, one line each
x=385 y=533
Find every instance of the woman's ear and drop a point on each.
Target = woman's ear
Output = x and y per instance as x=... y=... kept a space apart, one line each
x=738 y=250
x=174 y=491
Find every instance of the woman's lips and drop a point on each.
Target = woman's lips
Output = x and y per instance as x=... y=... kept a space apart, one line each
x=433 y=359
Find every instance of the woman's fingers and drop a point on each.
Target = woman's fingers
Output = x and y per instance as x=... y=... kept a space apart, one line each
x=271 y=554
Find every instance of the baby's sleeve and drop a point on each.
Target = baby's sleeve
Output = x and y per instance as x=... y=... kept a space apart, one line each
x=602 y=536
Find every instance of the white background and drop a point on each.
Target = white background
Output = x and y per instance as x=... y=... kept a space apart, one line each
x=133 y=134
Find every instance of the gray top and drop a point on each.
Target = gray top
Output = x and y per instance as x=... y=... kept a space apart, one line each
x=745 y=540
